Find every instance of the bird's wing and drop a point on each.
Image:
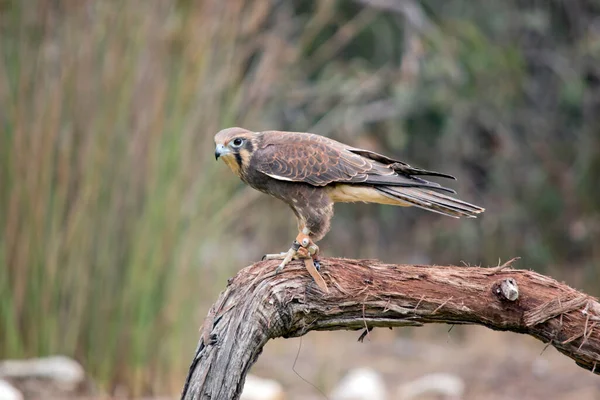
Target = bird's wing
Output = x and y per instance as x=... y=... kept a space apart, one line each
x=396 y=165
x=319 y=161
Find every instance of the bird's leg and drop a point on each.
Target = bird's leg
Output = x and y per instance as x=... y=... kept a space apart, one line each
x=299 y=249
x=296 y=250
x=313 y=250
x=303 y=247
x=288 y=256
x=303 y=238
x=301 y=254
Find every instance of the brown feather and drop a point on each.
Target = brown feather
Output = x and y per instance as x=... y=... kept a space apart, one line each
x=311 y=172
x=320 y=161
x=432 y=201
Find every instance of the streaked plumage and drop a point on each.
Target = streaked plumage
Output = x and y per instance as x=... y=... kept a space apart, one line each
x=310 y=173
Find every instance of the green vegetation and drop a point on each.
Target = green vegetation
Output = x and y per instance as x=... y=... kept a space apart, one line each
x=117 y=228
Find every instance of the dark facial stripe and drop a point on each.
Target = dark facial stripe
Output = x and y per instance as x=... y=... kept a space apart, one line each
x=249 y=146
x=238 y=159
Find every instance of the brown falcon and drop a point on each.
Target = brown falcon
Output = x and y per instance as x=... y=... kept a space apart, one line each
x=310 y=173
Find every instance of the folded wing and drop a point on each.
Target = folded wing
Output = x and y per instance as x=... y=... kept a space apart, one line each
x=319 y=161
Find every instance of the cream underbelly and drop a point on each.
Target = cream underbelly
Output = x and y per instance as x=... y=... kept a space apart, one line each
x=231 y=162
x=355 y=193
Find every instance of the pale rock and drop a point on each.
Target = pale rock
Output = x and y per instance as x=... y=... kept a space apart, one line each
x=9 y=392
x=540 y=368
x=62 y=370
x=442 y=385
x=360 y=384
x=256 y=388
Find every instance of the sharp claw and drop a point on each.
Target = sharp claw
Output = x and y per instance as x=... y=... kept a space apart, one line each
x=275 y=256
x=297 y=251
x=213 y=339
x=317 y=265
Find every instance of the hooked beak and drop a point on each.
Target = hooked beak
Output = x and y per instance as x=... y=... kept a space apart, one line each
x=221 y=150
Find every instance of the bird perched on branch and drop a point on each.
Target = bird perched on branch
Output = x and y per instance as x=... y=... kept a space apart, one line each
x=310 y=173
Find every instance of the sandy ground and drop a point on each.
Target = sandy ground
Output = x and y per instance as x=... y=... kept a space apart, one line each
x=493 y=365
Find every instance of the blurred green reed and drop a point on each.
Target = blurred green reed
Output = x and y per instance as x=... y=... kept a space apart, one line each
x=118 y=229
x=108 y=180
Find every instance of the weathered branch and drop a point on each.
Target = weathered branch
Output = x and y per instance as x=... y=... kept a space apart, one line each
x=258 y=305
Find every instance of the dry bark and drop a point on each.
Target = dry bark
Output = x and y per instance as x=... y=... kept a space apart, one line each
x=258 y=305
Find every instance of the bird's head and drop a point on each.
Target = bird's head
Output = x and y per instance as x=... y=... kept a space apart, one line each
x=235 y=147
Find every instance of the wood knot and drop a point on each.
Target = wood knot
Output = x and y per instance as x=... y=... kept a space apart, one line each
x=507 y=289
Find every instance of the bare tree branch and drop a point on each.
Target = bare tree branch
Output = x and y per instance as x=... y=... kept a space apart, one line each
x=258 y=305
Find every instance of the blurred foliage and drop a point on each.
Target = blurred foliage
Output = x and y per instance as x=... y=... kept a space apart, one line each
x=117 y=228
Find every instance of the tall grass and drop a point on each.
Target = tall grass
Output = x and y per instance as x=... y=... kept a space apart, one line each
x=117 y=227
x=108 y=183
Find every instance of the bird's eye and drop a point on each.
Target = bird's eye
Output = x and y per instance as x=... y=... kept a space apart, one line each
x=237 y=142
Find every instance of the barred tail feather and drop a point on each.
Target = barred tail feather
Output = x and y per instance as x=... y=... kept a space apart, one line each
x=431 y=201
